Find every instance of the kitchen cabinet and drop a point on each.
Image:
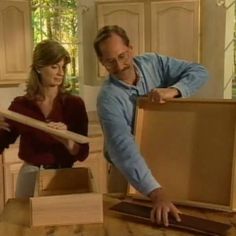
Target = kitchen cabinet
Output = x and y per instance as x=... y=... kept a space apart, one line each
x=15 y=41
x=10 y=166
x=169 y=27
x=130 y=16
x=175 y=29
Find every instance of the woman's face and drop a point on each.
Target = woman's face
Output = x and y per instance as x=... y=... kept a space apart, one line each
x=53 y=75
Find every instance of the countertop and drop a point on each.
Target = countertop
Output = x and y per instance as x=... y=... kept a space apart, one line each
x=14 y=221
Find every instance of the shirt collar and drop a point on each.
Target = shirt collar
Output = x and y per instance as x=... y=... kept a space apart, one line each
x=114 y=80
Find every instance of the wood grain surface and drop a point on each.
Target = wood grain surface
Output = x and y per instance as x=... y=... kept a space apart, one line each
x=43 y=126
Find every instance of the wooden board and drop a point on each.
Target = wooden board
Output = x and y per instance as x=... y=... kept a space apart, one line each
x=190 y=223
x=43 y=126
x=64 y=181
x=190 y=147
x=66 y=209
x=65 y=197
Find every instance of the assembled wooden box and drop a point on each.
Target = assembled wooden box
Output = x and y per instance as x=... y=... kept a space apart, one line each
x=64 y=197
x=190 y=147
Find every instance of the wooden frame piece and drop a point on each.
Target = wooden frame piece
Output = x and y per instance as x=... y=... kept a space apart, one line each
x=190 y=147
x=83 y=208
x=43 y=126
x=65 y=197
x=64 y=181
x=189 y=223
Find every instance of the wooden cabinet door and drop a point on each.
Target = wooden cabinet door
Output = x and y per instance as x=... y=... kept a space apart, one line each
x=129 y=16
x=15 y=41
x=175 y=28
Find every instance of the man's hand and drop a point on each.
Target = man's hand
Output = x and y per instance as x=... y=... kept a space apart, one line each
x=162 y=207
x=162 y=95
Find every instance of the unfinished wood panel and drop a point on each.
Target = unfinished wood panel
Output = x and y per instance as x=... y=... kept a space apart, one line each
x=11 y=167
x=63 y=181
x=66 y=209
x=10 y=179
x=28 y=121
x=189 y=146
x=175 y=29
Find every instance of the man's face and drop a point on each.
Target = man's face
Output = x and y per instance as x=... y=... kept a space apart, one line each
x=116 y=56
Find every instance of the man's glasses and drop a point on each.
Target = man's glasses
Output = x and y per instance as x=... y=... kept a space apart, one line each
x=122 y=58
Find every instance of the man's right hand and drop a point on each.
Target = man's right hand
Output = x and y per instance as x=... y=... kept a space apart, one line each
x=162 y=207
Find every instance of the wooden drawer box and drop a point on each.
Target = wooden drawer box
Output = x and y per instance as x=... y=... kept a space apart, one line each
x=65 y=197
x=190 y=147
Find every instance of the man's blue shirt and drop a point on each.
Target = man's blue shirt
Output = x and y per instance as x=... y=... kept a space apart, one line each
x=116 y=105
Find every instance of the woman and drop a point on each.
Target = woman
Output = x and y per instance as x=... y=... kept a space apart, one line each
x=45 y=100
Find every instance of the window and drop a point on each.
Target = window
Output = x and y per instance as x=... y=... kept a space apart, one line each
x=58 y=20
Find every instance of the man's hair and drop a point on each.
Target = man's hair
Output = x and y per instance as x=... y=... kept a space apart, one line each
x=105 y=33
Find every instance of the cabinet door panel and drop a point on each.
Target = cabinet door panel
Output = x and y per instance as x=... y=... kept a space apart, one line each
x=175 y=29
x=15 y=41
x=129 y=16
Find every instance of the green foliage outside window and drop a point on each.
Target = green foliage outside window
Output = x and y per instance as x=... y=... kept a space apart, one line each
x=58 y=20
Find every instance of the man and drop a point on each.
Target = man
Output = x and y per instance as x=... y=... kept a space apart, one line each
x=161 y=78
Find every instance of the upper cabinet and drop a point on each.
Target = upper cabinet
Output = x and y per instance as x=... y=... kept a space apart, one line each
x=130 y=16
x=127 y=15
x=175 y=29
x=15 y=41
x=169 y=27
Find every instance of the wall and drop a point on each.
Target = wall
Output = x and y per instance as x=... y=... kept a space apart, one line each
x=8 y=94
x=217 y=27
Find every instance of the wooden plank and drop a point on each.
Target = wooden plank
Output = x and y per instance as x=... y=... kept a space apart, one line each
x=43 y=126
x=67 y=209
x=190 y=223
x=192 y=142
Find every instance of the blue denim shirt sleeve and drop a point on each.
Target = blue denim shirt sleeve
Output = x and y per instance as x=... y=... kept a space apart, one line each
x=121 y=147
x=163 y=71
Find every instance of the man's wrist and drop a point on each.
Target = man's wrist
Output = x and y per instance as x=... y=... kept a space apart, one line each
x=157 y=194
x=176 y=92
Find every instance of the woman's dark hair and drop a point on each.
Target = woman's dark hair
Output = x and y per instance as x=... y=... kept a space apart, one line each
x=47 y=52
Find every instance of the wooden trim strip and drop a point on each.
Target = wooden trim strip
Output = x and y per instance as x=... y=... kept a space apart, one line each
x=43 y=126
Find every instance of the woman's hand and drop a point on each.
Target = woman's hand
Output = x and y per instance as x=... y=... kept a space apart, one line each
x=3 y=124
x=162 y=207
x=72 y=146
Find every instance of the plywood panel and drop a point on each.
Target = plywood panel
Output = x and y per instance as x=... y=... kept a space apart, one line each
x=26 y=120
x=66 y=209
x=189 y=146
x=63 y=181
